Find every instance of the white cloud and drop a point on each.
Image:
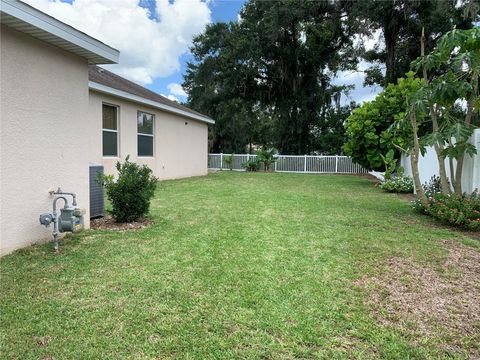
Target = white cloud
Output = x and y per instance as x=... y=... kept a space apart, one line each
x=149 y=48
x=176 y=89
x=171 y=97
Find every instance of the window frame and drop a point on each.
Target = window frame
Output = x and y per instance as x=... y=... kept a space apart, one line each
x=152 y=135
x=117 y=107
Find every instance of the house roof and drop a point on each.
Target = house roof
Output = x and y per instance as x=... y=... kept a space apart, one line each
x=27 y=19
x=104 y=81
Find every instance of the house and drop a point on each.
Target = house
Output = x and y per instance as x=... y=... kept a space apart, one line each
x=168 y=137
x=60 y=113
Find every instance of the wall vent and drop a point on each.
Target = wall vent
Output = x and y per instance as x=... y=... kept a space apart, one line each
x=97 y=202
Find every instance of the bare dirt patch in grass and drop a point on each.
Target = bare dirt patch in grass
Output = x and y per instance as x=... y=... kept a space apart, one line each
x=108 y=223
x=43 y=341
x=440 y=302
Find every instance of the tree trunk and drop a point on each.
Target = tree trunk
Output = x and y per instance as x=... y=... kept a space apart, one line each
x=441 y=160
x=390 y=37
x=458 y=173
x=414 y=161
x=458 y=176
x=433 y=115
x=450 y=162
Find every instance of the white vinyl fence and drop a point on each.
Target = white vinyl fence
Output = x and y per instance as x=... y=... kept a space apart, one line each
x=428 y=166
x=293 y=163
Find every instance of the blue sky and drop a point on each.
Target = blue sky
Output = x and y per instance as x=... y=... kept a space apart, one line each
x=222 y=11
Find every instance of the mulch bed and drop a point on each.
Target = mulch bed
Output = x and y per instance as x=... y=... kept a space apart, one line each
x=108 y=223
x=431 y=301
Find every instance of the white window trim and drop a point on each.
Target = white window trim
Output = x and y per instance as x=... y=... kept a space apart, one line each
x=114 y=131
x=151 y=135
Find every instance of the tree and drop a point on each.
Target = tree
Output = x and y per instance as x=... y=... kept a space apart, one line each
x=368 y=128
x=274 y=67
x=217 y=86
x=400 y=23
x=454 y=67
x=328 y=134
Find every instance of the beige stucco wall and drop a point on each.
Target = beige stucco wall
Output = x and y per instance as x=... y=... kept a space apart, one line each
x=44 y=134
x=180 y=145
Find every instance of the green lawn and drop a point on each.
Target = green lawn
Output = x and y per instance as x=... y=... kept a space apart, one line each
x=237 y=265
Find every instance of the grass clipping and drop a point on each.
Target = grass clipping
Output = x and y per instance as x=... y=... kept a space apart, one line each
x=439 y=304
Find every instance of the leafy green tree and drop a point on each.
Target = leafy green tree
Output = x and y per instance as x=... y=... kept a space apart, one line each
x=451 y=72
x=301 y=45
x=401 y=23
x=368 y=129
x=328 y=134
x=217 y=86
x=267 y=79
x=274 y=67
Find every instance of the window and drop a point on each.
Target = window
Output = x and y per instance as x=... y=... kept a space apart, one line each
x=145 y=126
x=110 y=130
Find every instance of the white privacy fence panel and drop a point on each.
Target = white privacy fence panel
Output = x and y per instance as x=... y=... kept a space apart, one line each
x=292 y=163
x=428 y=165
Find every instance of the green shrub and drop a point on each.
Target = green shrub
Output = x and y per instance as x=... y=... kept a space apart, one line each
x=131 y=193
x=252 y=164
x=228 y=160
x=461 y=211
x=433 y=186
x=266 y=157
x=368 y=129
x=418 y=206
x=398 y=184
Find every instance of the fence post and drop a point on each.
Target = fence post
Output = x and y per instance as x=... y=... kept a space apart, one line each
x=305 y=164
x=336 y=163
x=221 y=161
x=275 y=164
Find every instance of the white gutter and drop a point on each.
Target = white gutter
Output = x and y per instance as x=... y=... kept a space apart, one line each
x=52 y=28
x=141 y=100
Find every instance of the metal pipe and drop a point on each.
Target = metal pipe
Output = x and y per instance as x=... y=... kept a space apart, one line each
x=55 y=203
x=73 y=195
x=55 y=220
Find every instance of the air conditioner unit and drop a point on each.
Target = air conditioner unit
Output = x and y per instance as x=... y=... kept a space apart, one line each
x=97 y=200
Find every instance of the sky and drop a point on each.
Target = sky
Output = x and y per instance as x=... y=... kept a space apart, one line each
x=154 y=37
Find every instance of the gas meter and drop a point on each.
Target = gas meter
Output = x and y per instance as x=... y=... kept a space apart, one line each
x=69 y=220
